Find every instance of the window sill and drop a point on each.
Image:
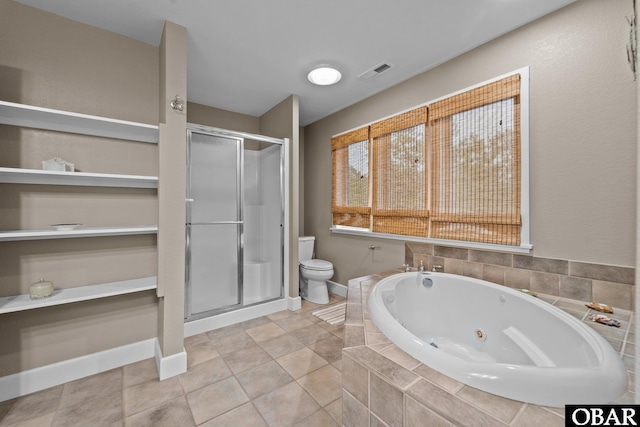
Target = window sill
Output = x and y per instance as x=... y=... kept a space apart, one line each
x=522 y=249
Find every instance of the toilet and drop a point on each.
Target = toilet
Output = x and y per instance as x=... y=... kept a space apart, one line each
x=314 y=273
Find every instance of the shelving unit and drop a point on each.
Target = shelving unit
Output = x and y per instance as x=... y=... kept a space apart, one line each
x=70 y=122
x=65 y=121
x=15 y=235
x=82 y=293
x=42 y=177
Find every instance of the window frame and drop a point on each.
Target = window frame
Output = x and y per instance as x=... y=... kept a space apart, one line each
x=525 y=245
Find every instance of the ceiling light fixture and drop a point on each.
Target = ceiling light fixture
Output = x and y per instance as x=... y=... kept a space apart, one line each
x=324 y=76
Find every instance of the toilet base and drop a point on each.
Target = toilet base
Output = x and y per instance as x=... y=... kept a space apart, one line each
x=315 y=291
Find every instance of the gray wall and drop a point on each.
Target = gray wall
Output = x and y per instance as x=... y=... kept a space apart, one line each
x=583 y=138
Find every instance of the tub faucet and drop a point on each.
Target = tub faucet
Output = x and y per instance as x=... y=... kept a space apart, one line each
x=421 y=266
x=407 y=268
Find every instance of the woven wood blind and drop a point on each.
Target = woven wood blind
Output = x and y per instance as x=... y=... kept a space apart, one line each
x=399 y=204
x=350 y=187
x=475 y=194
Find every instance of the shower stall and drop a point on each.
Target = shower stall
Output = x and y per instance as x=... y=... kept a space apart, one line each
x=235 y=221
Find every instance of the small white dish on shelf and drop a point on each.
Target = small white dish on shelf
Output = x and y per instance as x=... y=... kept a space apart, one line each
x=65 y=227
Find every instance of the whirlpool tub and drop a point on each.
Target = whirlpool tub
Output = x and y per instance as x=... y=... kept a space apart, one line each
x=497 y=339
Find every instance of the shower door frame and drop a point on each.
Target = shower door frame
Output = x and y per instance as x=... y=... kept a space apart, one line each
x=240 y=136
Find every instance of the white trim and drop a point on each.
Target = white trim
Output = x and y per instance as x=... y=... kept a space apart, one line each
x=522 y=249
x=294 y=303
x=525 y=236
x=170 y=366
x=32 y=380
x=337 y=288
x=199 y=326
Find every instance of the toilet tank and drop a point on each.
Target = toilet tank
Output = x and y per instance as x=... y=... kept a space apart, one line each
x=305 y=247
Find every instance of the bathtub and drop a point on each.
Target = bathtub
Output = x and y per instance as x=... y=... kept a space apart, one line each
x=497 y=339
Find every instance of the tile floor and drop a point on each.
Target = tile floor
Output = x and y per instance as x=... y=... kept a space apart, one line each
x=278 y=370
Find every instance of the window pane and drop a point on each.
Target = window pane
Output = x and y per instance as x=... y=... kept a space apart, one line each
x=482 y=153
x=402 y=170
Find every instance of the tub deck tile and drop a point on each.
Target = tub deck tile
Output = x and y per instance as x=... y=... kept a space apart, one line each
x=458 y=411
x=388 y=369
x=353 y=336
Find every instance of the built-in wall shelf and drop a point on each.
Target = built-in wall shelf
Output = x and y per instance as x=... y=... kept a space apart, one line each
x=8 y=236
x=45 y=177
x=15 y=303
x=64 y=121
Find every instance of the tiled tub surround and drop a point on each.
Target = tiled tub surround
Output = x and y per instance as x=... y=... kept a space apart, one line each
x=384 y=386
x=580 y=281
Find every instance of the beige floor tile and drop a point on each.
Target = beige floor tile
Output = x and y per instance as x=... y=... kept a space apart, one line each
x=293 y=322
x=329 y=349
x=318 y=419
x=335 y=410
x=42 y=421
x=324 y=384
x=31 y=406
x=209 y=402
x=101 y=384
x=204 y=374
x=310 y=334
x=286 y=405
x=301 y=362
x=153 y=393
x=232 y=342
x=280 y=315
x=265 y=332
x=307 y=306
x=201 y=352
x=170 y=414
x=263 y=379
x=242 y=416
x=103 y=410
x=223 y=332
x=248 y=324
x=195 y=339
x=246 y=358
x=140 y=372
x=279 y=346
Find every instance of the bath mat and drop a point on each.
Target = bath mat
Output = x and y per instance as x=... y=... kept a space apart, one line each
x=333 y=315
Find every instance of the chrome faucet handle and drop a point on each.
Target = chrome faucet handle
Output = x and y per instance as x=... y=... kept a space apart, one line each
x=407 y=267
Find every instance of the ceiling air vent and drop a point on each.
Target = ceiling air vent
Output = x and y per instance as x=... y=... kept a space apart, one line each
x=375 y=71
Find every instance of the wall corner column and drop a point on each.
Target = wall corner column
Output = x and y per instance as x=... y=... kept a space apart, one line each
x=283 y=121
x=171 y=358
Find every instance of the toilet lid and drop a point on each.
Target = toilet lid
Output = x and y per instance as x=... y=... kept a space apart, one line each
x=316 y=264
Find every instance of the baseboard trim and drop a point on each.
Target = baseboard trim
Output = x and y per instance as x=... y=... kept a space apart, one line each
x=199 y=326
x=170 y=366
x=337 y=288
x=294 y=304
x=32 y=380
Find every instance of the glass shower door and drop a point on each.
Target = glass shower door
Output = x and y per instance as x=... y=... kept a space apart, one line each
x=214 y=224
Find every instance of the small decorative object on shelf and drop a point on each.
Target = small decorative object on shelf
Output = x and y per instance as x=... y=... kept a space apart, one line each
x=65 y=227
x=57 y=164
x=41 y=289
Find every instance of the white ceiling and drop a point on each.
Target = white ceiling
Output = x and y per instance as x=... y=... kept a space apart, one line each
x=248 y=55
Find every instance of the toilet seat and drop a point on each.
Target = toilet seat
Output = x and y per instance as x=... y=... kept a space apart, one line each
x=316 y=265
